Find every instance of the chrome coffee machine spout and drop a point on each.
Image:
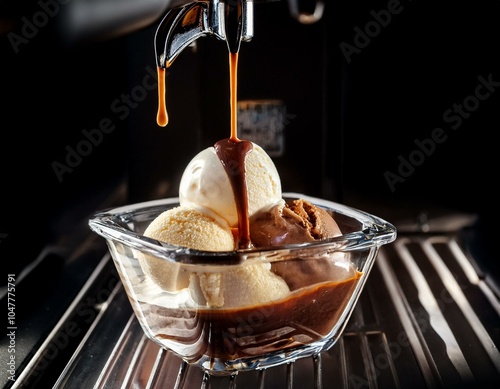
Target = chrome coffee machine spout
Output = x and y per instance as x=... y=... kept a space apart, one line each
x=229 y=20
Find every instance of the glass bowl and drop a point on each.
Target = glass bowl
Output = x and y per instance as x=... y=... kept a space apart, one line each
x=248 y=309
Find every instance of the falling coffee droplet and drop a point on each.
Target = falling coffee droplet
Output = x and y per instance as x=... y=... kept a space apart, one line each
x=162 y=115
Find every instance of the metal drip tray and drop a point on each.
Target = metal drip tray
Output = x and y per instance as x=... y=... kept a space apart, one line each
x=424 y=320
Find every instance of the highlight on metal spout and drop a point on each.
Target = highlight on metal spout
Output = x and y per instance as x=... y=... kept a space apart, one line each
x=229 y=20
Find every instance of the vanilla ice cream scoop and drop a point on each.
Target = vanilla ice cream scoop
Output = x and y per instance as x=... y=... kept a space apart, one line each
x=187 y=227
x=190 y=227
x=239 y=287
x=205 y=184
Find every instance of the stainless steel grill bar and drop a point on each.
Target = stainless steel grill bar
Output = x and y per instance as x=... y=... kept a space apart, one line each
x=407 y=320
x=436 y=317
x=458 y=296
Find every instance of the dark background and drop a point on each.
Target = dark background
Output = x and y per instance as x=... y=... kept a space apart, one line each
x=69 y=69
x=351 y=118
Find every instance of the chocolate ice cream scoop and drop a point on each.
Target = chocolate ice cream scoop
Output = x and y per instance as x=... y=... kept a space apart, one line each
x=298 y=221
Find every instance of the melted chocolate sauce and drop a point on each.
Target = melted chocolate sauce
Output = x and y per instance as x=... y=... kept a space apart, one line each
x=306 y=316
x=232 y=156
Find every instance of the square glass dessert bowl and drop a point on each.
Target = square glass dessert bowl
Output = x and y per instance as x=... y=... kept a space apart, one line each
x=246 y=309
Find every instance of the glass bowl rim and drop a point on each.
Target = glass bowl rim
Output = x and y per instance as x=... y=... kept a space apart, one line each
x=374 y=231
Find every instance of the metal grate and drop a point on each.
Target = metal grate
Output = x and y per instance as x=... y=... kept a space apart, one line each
x=425 y=319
